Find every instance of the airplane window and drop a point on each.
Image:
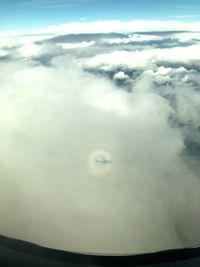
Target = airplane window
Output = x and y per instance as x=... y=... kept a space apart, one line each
x=100 y=125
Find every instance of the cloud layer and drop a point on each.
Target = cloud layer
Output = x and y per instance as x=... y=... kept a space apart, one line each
x=107 y=26
x=100 y=141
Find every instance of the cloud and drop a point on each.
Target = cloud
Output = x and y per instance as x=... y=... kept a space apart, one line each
x=145 y=58
x=188 y=16
x=53 y=3
x=107 y=26
x=62 y=123
x=3 y=53
x=120 y=76
x=76 y=45
x=185 y=36
x=121 y=26
x=189 y=6
x=134 y=38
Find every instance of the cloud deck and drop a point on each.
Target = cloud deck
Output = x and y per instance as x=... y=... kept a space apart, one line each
x=135 y=98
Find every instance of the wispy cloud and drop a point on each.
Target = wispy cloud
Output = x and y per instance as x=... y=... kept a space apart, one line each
x=53 y=3
x=189 y=6
x=186 y=16
x=60 y=5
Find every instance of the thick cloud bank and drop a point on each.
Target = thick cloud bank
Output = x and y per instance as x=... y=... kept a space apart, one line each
x=100 y=141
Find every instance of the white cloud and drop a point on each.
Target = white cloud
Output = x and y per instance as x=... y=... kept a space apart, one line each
x=30 y=50
x=54 y=119
x=186 y=16
x=134 y=38
x=14 y=41
x=75 y=45
x=187 y=36
x=120 y=76
x=107 y=26
x=122 y=26
x=3 y=53
x=144 y=58
x=179 y=54
x=108 y=61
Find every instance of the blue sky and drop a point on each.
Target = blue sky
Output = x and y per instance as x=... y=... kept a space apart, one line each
x=29 y=14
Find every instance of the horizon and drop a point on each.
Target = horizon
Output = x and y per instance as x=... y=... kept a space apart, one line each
x=40 y=15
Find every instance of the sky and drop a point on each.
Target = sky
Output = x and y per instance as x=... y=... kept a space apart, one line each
x=34 y=14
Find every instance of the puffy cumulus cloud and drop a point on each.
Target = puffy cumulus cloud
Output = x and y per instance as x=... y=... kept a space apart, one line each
x=120 y=76
x=88 y=167
x=116 y=59
x=27 y=47
x=144 y=58
x=181 y=87
x=182 y=55
x=30 y=50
